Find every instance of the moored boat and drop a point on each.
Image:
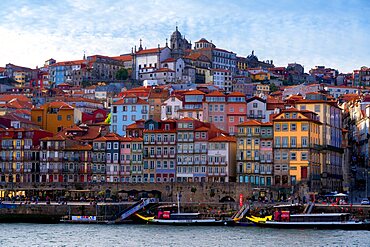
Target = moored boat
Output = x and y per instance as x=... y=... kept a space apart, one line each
x=314 y=221
x=183 y=219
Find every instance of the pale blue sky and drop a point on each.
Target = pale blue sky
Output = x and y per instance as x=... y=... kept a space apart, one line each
x=334 y=33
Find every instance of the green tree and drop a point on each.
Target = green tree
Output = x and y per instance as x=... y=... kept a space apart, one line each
x=122 y=74
x=273 y=88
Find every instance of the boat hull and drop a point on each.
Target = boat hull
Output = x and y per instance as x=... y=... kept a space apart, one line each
x=197 y=222
x=316 y=225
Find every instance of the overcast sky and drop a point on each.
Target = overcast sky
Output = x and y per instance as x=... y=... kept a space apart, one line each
x=334 y=33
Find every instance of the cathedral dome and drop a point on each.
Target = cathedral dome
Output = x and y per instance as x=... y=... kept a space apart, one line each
x=176 y=34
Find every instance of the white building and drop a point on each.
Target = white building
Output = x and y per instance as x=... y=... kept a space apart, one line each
x=221 y=159
x=170 y=108
x=337 y=91
x=222 y=79
x=149 y=58
x=161 y=76
x=256 y=108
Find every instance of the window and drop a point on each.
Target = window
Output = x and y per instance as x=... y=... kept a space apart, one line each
x=303 y=156
x=59 y=117
x=293 y=141
x=284 y=155
x=293 y=156
x=317 y=108
x=255 y=105
x=277 y=155
x=304 y=141
x=277 y=142
x=304 y=126
x=285 y=141
x=115 y=145
x=277 y=127
x=285 y=127
x=39 y=119
x=231 y=120
x=293 y=127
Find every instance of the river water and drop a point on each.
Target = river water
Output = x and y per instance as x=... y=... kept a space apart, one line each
x=151 y=235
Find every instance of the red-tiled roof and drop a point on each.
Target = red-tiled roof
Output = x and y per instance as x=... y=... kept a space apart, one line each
x=8 y=97
x=194 y=92
x=202 y=40
x=149 y=51
x=236 y=94
x=109 y=137
x=68 y=63
x=223 y=138
x=138 y=102
x=60 y=105
x=169 y=60
x=124 y=58
x=216 y=93
x=250 y=123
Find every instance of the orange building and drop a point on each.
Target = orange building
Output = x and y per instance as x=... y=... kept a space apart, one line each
x=53 y=116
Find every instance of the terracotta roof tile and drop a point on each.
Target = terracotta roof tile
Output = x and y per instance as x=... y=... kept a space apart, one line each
x=149 y=51
x=250 y=123
x=223 y=138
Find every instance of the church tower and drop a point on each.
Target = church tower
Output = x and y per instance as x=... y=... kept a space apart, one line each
x=178 y=44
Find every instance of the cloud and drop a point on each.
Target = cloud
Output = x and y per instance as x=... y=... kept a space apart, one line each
x=332 y=33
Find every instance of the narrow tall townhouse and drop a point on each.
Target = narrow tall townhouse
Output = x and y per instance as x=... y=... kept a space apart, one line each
x=250 y=168
x=297 y=151
x=159 y=151
x=236 y=111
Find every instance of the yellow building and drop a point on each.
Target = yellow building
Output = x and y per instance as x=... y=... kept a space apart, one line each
x=262 y=89
x=241 y=63
x=250 y=169
x=260 y=76
x=331 y=134
x=53 y=116
x=20 y=77
x=297 y=150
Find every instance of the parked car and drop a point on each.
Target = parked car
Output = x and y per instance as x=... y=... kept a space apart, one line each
x=365 y=201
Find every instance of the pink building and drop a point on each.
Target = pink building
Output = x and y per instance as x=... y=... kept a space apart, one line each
x=236 y=111
x=214 y=109
x=125 y=159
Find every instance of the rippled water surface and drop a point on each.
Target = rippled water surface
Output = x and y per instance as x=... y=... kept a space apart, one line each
x=149 y=235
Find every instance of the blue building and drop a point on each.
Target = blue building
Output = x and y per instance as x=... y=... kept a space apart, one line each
x=126 y=111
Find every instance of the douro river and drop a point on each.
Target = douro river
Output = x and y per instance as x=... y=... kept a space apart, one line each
x=151 y=235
